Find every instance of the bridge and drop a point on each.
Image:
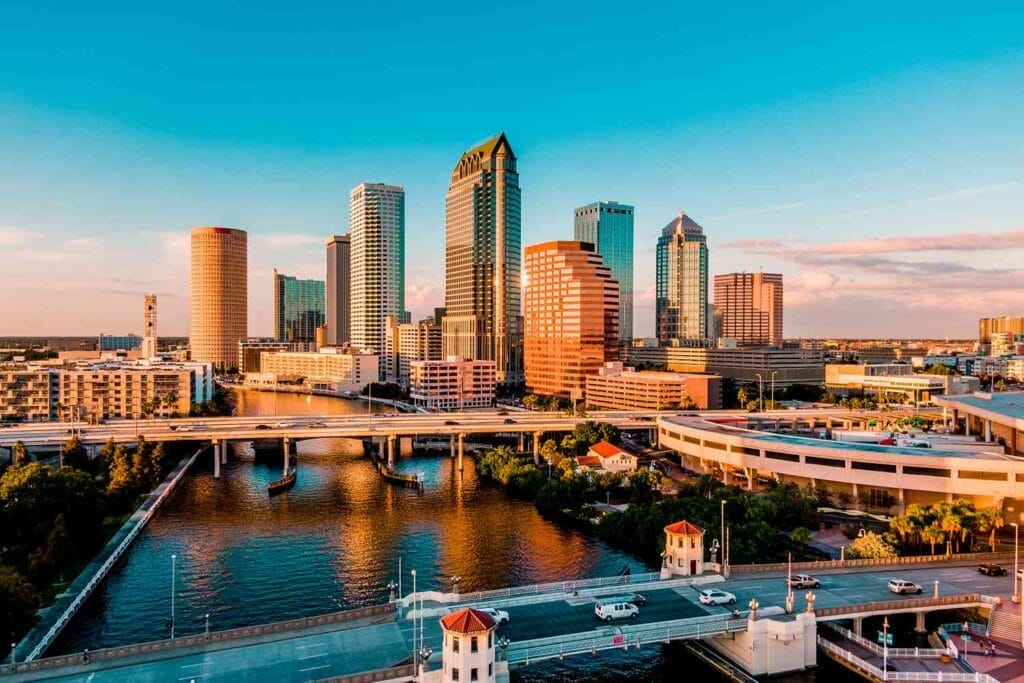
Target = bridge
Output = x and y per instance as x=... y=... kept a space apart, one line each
x=546 y=621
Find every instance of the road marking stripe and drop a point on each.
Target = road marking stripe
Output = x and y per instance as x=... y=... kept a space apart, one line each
x=322 y=654
x=314 y=668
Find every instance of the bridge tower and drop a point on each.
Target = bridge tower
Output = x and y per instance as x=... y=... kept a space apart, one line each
x=468 y=648
x=684 y=550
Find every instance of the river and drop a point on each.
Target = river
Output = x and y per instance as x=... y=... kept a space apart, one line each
x=335 y=541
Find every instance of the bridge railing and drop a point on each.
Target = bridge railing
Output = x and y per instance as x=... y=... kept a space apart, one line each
x=557 y=586
x=851 y=564
x=899 y=605
x=623 y=637
x=199 y=640
x=920 y=652
x=406 y=670
x=838 y=652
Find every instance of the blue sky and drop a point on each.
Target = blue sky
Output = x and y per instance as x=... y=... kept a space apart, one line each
x=873 y=153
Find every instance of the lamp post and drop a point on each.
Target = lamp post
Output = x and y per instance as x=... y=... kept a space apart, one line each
x=760 y=391
x=414 y=615
x=885 y=649
x=1016 y=539
x=174 y=569
x=207 y=625
x=774 y=372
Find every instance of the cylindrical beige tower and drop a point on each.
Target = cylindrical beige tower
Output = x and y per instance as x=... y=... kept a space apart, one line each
x=220 y=296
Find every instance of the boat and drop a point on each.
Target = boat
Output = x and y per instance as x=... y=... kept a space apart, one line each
x=284 y=483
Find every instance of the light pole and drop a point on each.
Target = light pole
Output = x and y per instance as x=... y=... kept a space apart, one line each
x=1016 y=539
x=885 y=649
x=760 y=391
x=414 y=615
x=722 y=558
x=207 y=626
x=774 y=372
x=174 y=569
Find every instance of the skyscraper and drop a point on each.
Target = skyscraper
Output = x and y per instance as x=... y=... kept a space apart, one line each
x=750 y=305
x=483 y=260
x=149 y=336
x=220 y=313
x=571 y=322
x=377 y=214
x=681 y=306
x=298 y=308
x=609 y=227
x=337 y=316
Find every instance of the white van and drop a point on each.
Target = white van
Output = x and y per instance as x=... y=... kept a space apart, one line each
x=607 y=611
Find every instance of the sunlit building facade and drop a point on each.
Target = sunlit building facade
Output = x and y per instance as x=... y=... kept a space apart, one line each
x=452 y=384
x=220 y=295
x=609 y=227
x=571 y=322
x=337 y=316
x=750 y=306
x=298 y=308
x=377 y=214
x=681 y=305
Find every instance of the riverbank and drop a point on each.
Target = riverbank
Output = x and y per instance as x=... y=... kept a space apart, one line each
x=302 y=391
x=54 y=618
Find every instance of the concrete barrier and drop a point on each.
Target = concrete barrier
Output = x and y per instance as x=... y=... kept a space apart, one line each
x=852 y=564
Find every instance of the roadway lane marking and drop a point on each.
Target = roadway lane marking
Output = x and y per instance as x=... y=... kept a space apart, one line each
x=322 y=654
x=314 y=668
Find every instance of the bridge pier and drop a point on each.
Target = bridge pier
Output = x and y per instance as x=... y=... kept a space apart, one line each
x=522 y=441
x=286 y=448
x=536 y=448
x=451 y=450
x=216 y=459
x=858 y=625
x=391 y=451
x=462 y=438
x=223 y=451
x=919 y=626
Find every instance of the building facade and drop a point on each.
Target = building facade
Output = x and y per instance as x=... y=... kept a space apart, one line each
x=337 y=315
x=135 y=390
x=571 y=321
x=452 y=384
x=249 y=351
x=617 y=387
x=885 y=381
x=330 y=370
x=609 y=227
x=220 y=295
x=298 y=308
x=989 y=326
x=407 y=342
x=750 y=306
x=483 y=260
x=377 y=214
x=681 y=304
x=744 y=364
x=128 y=342
x=28 y=394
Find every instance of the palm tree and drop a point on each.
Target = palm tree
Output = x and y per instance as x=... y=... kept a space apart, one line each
x=932 y=534
x=990 y=520
x=904 y=526
x=952 y=524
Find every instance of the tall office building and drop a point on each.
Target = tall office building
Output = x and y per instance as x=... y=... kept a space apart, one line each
x=1000 y=325
x=377 y=214
x=681 y=306
x=483 y=259
x=571 y=321
x=337 y=316
x=750 y=305
x=149 y=335
x=220 y=313
x=609 y=227
x=298 y=308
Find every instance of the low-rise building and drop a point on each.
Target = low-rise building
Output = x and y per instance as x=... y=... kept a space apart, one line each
x=28 y=393
x=893 y=378
x=452 y=384
x=128 y=342
x=619 y=387
x=249 y=351
x=337 y=370
x=130 y=390
x=744 y=364
x=606 y=457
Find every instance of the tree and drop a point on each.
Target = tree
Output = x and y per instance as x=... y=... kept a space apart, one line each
x=989 y=521
x=933 y=534
x=549 y=451
x=18 y=453
x=530 y=401
x=75 y=455
x=18 y=602
x=870 y=546
x=801 y=535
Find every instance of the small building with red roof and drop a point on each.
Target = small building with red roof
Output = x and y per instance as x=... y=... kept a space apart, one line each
x=684 y=550
x=606 y=457
x=468 y=647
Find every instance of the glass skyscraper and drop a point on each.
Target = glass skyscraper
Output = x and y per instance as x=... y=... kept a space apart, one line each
x=681 y=307
x=298 y=308
x=609 y=227
x=377 y=216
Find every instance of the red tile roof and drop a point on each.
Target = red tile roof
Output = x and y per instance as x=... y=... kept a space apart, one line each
x=605 y=449
x=684 y=528
x=589 y=461
x=467 y=620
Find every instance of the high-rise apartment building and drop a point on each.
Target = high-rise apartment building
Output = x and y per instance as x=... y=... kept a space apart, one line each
x=483 y=260
x=408 y=342
x=571 y=321
x=609 y=227
x=149 y=335
x=750 y=305
x=219 y=295
x=989 y=326
x=338 y=313
x=681 y=305
x=298 y=308
x=377 y=214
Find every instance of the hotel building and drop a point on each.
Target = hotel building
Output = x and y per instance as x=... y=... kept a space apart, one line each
x=571 y=322
x=377 y=214
x=750 y=306
x=220 y=301
x=483 y=260
x=330 y=369
x=122 y=390
x=609 y=227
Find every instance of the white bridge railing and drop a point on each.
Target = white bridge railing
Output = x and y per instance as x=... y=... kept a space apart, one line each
x=558 y=586
x=622 y=637
x=838 y=652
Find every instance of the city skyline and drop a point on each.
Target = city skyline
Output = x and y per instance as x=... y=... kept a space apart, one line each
x=910 y=148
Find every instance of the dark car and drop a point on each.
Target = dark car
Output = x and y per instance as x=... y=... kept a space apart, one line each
x=262 y=426
x=509 y=421
x=990 y=569
x=450 y=423
x=502 y=412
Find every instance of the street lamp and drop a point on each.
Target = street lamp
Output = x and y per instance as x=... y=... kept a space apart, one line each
x=207 y=625
x=174 y=569
x=885 y=649
x=1016 y=539
x=413 y=572
x=760 y=390
x=774 y=372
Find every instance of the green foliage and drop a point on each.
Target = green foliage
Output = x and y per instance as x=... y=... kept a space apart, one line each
x=75 y=455
x=870 y=546
x=801 y=535
x=222 y=404
x=386 y=390
x=955 y=524
x=18 y=603
x=18 y=453
x=940 y=369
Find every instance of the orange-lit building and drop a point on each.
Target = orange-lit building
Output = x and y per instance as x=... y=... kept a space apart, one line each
x=220 y=301
x=751 y=308
x=571 y=324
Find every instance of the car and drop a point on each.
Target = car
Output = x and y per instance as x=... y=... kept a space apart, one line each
x=184 y=428
x=803 y=581
x=645 y=418
x=500 y=616
x=989 y=569
x=450 y=423
x=713 y=596
x=316 y=425
x=262 y=427
x=282 y=425
x=902 y=587
x=502 y=412
x=607 y=611
x=509 y=421
x=636 y=598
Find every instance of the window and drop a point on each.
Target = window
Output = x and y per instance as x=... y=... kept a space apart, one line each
x=693 y=542
x=826 y=462
x=986 y=476
x=472 y=644
x=925 y=471
x=490 y=670
x=455 y=643
x=473 y=675
x=455 y=674
x=873 y=467
x=490 y=639
x=788 y=457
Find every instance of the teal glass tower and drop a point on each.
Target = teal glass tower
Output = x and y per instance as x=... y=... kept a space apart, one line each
x=681 y=305
x=298 y=308
x=609 y=227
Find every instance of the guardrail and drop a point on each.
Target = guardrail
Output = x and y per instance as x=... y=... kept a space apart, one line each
x=406 y=671
x=204 y=640
x=899 y=605
x=623 y=637
x=874 y=672
x=851 y=564
x=557 y=586
x=919 y=652
x=101 y=573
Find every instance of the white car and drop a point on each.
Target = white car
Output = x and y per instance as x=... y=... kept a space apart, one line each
x=607 y=611
x=500 y=616
x=184 y=428
x=282 y=425
x=713 y=596
x=902 y=587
